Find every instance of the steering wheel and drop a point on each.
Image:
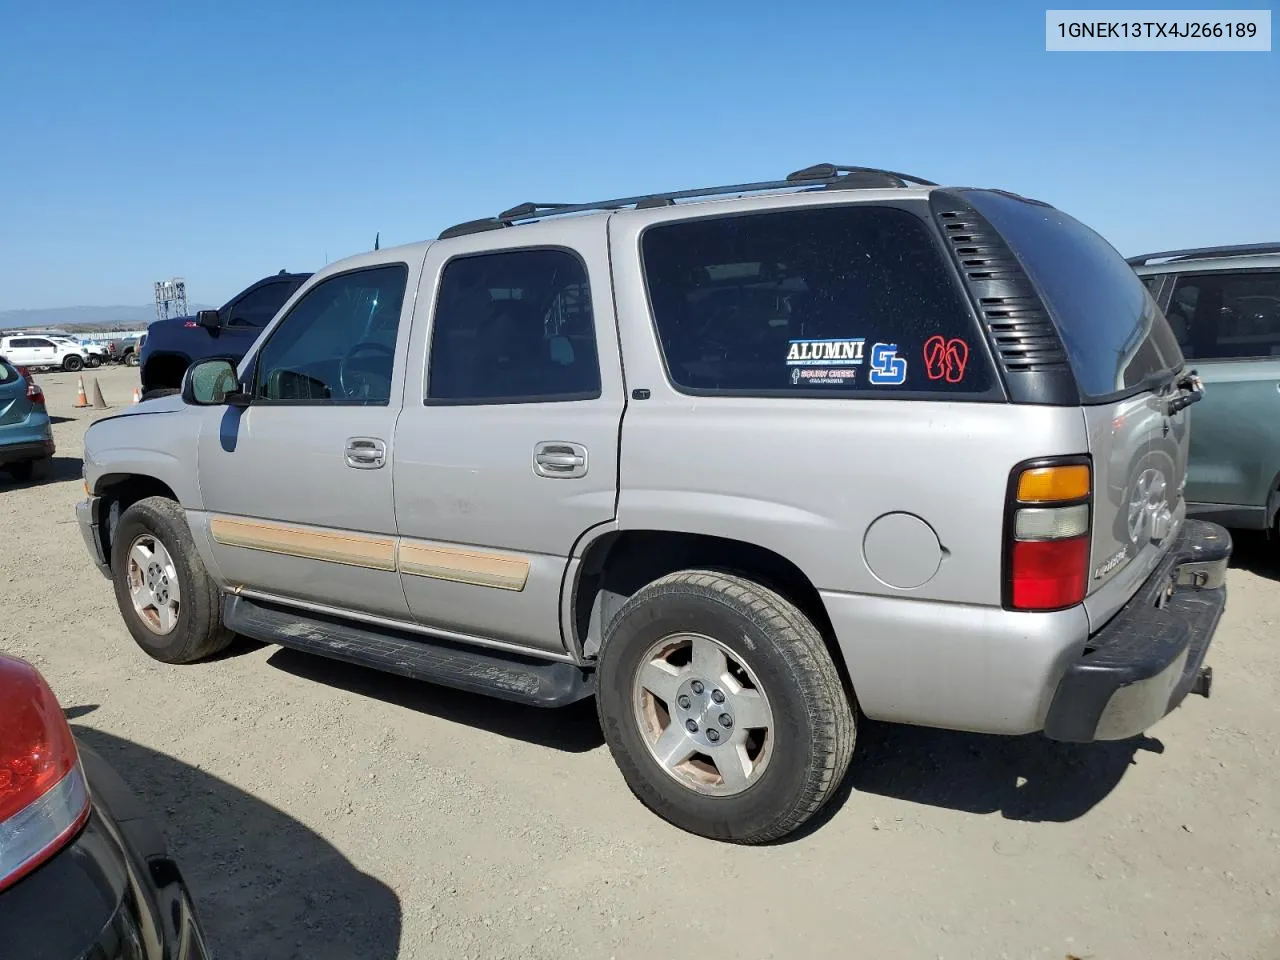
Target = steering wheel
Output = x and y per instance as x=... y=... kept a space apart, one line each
x=364 y=346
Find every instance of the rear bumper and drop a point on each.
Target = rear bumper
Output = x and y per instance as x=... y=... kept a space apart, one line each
x=31 y=450
x=88 y=517
x=1151 y=654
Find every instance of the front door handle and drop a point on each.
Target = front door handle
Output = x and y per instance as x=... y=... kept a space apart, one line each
x=366 y=453
x=559 y=459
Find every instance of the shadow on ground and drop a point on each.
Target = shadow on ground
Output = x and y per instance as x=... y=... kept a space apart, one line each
x=264 y=885
x=58 y=470
x=573 y=729
x=1254 y=551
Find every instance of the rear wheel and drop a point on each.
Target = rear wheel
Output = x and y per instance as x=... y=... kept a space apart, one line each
x=722 y=707
x=73 y=364
x=93 y=363
x=169 y=603
x=158 y=392
x=131 y=359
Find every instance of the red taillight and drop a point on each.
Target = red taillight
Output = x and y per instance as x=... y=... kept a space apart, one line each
x=1048 y=574
x=43 y=796
x=35 y=394
x=1050 y=517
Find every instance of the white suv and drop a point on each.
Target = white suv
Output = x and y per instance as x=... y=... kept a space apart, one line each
x=34 y=351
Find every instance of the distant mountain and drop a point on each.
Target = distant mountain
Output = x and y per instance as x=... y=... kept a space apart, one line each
x=84 y=316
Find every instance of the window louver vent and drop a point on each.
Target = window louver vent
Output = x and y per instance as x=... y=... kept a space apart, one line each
x=1021 y=332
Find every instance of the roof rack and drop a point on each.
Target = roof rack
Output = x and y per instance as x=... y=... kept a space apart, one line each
x=828 y=176
x=1206 y=253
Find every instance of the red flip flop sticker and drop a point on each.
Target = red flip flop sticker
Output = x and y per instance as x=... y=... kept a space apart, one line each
x=945 y=359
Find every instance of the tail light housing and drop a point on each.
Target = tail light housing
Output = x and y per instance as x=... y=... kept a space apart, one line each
x=34 y=393
x=1048 y=527
x=44 y=799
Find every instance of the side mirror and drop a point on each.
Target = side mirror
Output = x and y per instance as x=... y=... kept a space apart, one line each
x=213 y=383
x=209 y=319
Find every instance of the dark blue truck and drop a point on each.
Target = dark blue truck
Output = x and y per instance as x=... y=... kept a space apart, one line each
x=173 y=344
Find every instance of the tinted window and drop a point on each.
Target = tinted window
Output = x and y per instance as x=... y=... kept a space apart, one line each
x=513 y=327
x=829 y=300
x=256 y=308
x=38 y=342
x=338 y=342
x=1152 y=282
x=1226 y=316
x=1115 y=336
x=7 y=373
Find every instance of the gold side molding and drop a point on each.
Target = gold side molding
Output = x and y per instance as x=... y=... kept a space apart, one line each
x=352 y=549
x=462 y=565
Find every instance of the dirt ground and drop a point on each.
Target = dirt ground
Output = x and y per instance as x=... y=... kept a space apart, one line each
x=324 y=811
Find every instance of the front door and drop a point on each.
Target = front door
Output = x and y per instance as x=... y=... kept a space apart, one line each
x=297 y=486
x=1228 y=324
x=507 y=449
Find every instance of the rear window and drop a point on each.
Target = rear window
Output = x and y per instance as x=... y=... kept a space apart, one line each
x=7 y=373
x=1116 y=338
x=847 y=300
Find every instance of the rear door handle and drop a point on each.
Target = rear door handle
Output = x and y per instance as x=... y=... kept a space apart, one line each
x=558 y=459
x=366 y=453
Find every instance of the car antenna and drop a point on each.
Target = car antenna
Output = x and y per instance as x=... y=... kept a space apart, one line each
x=376 y=237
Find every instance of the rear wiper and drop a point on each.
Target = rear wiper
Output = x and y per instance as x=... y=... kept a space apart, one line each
x=1190 y=390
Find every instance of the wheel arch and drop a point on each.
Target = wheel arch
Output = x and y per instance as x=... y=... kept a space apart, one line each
x=617 y=563
x=164 y=370
x=120 y=491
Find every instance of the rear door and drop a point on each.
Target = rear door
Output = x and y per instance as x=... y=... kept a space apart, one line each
x=1125 y=360
x=507 y=449
x=1228 y=324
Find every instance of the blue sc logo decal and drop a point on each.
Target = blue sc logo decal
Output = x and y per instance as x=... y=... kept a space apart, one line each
x=887 y=368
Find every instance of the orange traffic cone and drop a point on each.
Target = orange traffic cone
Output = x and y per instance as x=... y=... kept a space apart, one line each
x=137 y=394
x=82 y=400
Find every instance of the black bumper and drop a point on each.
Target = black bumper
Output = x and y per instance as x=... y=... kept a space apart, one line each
x=1151 y=654
x=19 y=452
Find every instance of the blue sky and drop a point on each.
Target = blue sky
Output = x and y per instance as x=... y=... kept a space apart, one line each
x=221 y=140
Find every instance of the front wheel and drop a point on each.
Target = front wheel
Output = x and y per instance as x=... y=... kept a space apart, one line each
x=169 y=603
x=73 y=364
x=722 y=707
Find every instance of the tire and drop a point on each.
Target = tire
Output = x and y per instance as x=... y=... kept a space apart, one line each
x=73 y=364
x=810 y=739
x=131 y=359
x=93 y=363
x=196 y=631
x=158 y=392
x=25 y=471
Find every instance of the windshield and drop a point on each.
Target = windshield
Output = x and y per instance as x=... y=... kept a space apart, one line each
x=1117 y=340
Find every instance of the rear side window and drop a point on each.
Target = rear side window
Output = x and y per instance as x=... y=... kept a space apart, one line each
x=1227 y=316
x=258 y=307
x=853 y=300
x=1116 y=338
x=7 y=373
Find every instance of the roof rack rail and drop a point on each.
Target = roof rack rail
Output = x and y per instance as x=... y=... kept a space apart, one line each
x=1206 y=253
x=829 y=176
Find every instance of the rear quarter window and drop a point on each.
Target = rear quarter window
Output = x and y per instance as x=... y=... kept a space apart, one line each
x=852 y=301
x=1117 y=340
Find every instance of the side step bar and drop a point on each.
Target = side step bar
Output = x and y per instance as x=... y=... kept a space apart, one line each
x=509 y=676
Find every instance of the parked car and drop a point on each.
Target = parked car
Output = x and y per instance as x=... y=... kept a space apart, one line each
x=734 y=460
x=31 y=350
x=124 y=350
x=94 y=354
x=26 y=437
x=1223 y=304
x=171 y=345
x=84 y=870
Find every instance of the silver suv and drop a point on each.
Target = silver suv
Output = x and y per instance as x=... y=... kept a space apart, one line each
x=742 y=462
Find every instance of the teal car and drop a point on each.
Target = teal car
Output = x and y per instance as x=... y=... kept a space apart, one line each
x=1223 y=304
x=26 y=437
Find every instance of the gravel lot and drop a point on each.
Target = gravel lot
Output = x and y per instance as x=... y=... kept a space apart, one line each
x=324 y=811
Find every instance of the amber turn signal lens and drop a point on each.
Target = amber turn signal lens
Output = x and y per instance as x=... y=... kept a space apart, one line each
x=1054 y=484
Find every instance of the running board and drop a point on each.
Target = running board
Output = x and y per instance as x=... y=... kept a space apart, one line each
x=509 y=676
